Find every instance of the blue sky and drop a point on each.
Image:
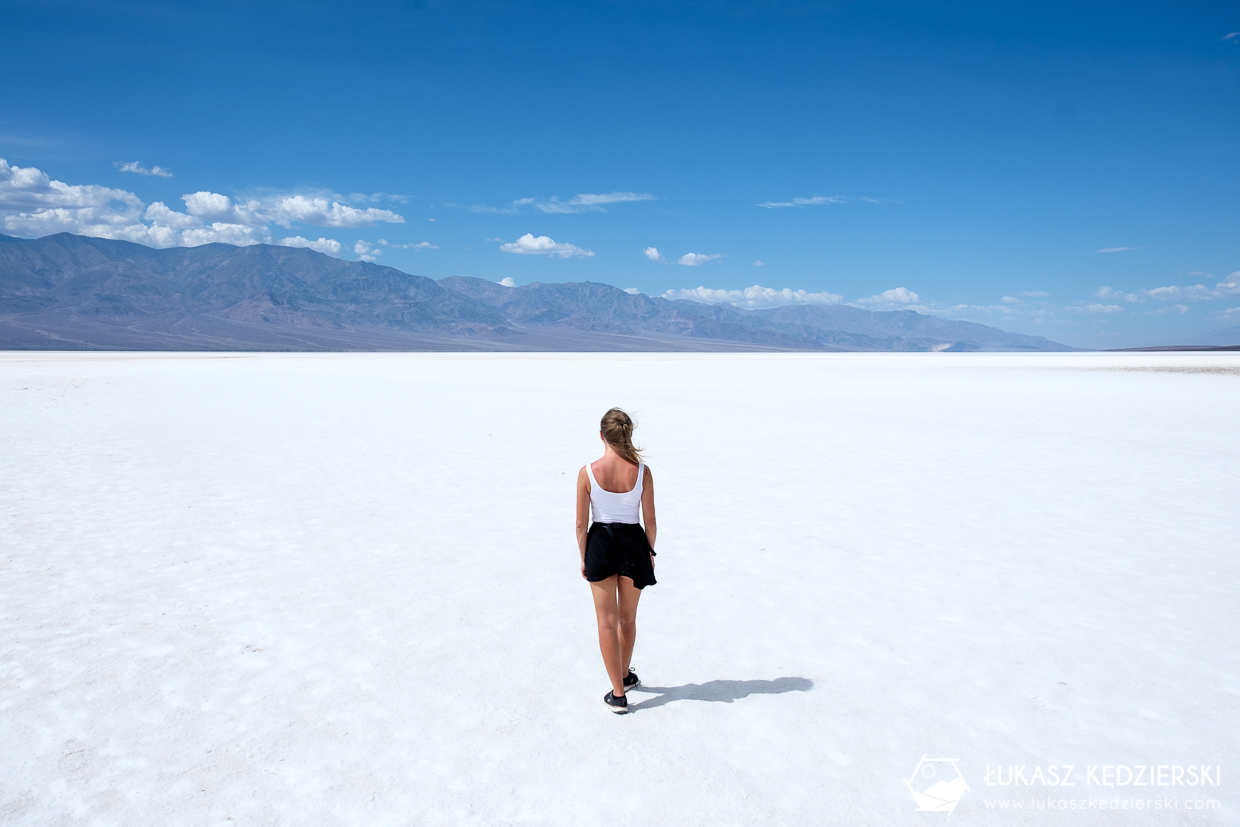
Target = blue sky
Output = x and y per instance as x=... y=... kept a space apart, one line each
x=971 y=160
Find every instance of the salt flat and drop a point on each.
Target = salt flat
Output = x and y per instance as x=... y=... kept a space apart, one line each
x=343 y=589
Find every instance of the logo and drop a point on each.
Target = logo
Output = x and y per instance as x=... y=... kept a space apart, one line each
x=937 y=784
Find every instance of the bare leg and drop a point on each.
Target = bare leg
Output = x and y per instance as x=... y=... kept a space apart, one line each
x=608 y=615
x=629 y=595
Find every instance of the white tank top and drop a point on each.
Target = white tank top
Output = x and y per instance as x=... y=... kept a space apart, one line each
x=607 y=507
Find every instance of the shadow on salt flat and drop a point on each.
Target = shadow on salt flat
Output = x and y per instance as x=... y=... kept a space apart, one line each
x=719 y=691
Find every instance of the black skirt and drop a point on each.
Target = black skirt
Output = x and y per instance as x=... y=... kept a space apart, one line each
x=619 y=548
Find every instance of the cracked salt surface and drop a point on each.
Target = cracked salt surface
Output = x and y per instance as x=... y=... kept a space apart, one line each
x=311 y=589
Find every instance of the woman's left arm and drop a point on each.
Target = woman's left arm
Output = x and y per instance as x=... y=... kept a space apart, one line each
x=652 y=527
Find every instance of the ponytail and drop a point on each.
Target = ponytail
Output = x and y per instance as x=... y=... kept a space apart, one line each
x=617 y=430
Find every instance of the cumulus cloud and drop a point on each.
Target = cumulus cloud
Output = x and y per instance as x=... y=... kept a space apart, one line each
x=1192 y=292
x=365 y=252
x=632 y=291
x=329 y=246
x=212 y=206
x=222 y=233
x=652 y=253
x=136 y=167
x=753 y=297
x=1095 y=308
x=894 y=297
x=1108 y=293
x=507 y=281
x=324 y=213
x=33 y=204
x=1117 y=249
x=696 y=259
x=162 y=215
x=758 y=263
x=529 y=244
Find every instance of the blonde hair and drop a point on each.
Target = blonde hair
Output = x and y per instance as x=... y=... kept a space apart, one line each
x=617 y=430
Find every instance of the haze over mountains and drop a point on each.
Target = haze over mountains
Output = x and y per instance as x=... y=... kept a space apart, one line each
x=68 y=292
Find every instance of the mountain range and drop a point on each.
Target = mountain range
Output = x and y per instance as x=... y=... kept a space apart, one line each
x=68 y=292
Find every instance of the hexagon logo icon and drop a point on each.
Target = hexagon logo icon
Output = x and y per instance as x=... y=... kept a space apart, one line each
x=936 y=784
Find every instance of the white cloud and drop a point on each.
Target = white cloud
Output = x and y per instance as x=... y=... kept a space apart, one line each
x=1193 y=292
x=586 y=199
x=696 y=259
x=507 y=281
x=529 y=244
x=1231 y=36
x=223 y=233
x=753 y=297
x=652 y=253
x=758 y=263
x=134 y=166
x=162 y=215
x=1009 y=300
x=632 y=291
x=1117 y=249
x=895 y=296
x=484 y=208
x=1108 y=293
x=329 y=246
x=583 y=202
x=365 y=252
x=285 y=210
x=1095 y=308
x=421 y=245
x=819 y=200
x=376 y=197
x=322 y=213
x=32 y=203
x=212 y=206
x=1034 y=294
x=808 y=202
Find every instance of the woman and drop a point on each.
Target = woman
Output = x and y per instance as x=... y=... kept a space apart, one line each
x=617 y=557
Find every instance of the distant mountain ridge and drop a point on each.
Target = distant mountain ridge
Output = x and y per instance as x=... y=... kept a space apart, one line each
x=72 y=292
x=1221 y=337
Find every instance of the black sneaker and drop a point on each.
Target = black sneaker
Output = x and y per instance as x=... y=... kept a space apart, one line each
x=631 y=681
x=617 y=705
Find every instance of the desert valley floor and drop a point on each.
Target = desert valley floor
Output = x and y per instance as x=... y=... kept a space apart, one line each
x=343 y=588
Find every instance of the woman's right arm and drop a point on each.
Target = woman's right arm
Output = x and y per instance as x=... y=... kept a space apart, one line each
x=652 y=527
x=583 y=515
